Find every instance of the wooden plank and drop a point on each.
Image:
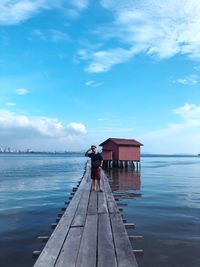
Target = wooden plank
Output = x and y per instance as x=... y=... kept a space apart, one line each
x=70 y=248
x=103 y=241
x=106 y=250
x=123 y=248
x=80 y=216
x=102 y=203
x=52 y=248
x=92 y=206
x=88 y=246
x=112 y=206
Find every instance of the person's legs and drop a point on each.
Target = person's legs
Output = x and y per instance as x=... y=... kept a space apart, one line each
x=93 y=185
x=100 y=185
x=100 y=182
x=96 y=179
x=96 y=183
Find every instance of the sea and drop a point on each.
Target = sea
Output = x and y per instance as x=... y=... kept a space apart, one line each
x=163 y=201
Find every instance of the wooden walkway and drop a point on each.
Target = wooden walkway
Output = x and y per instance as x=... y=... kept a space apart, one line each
x=90 y=233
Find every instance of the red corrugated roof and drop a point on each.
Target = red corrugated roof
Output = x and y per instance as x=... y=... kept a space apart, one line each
x=121 y=141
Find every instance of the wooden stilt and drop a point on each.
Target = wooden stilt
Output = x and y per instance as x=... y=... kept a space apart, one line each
x=57 y=219
x=135 y=237
x=138 y=252
x=36 y=253
x=111 y=164
x=43 y=239
x=53 y=225
x=122 y=204
x=129 y=225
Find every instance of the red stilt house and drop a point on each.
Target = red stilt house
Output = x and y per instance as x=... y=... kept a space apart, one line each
x=121 y=150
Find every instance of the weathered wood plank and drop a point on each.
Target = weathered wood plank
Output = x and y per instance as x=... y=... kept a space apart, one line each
x=88 y=246
x=92 y=206
x=106 y=250
x=70 y=248
x=80 y=216
x=102 y=203
x=90 y=233
x=52 y=249
x=125 y=255
x=112 y=206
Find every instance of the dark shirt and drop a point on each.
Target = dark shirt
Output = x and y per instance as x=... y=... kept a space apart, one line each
x=95 y=159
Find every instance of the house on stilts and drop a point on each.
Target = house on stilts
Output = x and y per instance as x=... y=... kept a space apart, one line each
x=118 y=152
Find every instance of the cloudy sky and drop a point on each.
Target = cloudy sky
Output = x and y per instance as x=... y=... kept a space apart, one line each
x=74 y=73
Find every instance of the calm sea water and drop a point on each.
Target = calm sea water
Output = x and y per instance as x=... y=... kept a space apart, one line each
x=33 y=189
x=163 y=202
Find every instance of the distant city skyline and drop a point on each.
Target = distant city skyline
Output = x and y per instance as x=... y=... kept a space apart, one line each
x=29 y=151
x=74 y=73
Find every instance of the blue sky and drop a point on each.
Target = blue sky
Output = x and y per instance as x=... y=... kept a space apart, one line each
x=74 y=73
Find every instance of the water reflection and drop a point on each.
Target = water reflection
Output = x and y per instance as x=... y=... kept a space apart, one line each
x=125 y=180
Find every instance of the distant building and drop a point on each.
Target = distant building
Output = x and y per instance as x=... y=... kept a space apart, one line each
x=121 y=152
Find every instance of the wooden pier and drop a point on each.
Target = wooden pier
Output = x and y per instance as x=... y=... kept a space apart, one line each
x=90 y=233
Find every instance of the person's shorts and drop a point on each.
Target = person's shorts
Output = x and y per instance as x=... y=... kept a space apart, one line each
x=96 y=173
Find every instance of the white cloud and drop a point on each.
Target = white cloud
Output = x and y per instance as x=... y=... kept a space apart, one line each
x=190 y=113
x=10 y=104
x=102 y=61
x=92 y=83
x=183 y=137
x=22 y=91
x=39 y=34
x=76 y=128
x=51 y=35
x=197 y=68
x=40 y=132
x=57 y=36
x=158 y=28
x=80 y=4
x=188 y=80
x=75 y=7
x=16 y=11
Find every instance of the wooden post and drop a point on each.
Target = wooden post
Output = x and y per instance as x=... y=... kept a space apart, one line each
x=122 y=204
x=137 y=165
x=44 y=239
x=57 y=219
x=129 y=225
x=36 y=253
x=111 y=164
x=53 y=225
x=135 y=237
x=138 y=252
x=133 y=164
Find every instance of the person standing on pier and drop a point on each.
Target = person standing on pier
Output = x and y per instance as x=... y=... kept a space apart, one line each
x=96 y=165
